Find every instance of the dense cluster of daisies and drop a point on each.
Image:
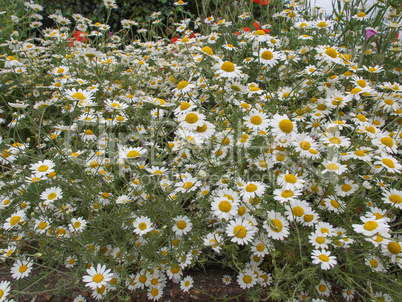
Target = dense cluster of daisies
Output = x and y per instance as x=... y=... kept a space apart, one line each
x=265 y=150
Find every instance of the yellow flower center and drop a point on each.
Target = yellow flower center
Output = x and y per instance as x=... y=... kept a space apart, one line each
x=23 y=268
x=387 y=141
x=346 y=187
x=361 y=83
x=389 y=163
x=133 y=153
x=389 y=102
x=286 y=125
x=247 y=279
x=228 y=66
x=260 y=247
x=322 y=288
x=14 y=220
x=51 y=196
x=42 y=225
x=225 y=206
x=290 y=178
x=43 y=168
x=334 y=203
x=251 y=188
x=361 y=14
x=332 y=167
x=323 y=258
x=394 y=247
x=181 y=225
x=191 y=118
x=331 y=53
x=394 y=198
x=142 y=226
x=256 y=120
x=208 y=50
x=182 y=85
x=188 y=185
x=322 y=24
x=356 y=90
x=298 y=211
x=308 y=217
x=304 y=145
x=373 y=263
x=267 y=55
x=287 y=194
x=78 y=95
x=370 y=225
x=240 y=231
x=175 y=270
x=77 y=224
x=320 y=240
x=277 y=225
x=97 y=278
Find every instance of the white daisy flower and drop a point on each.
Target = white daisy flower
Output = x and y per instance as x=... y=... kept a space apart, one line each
x=142 y=225
x=247 y=278
x=283 y=127
x=51 y=194
x=42 y=168
x=323 y=258
x=276 y=225
x=182 y=226
x=290 y=181
x=21 y=269
x=227 y=70
x=241 y=231
x=186 y=283
x=98 y=277
x=371 y=226
x=251 y=189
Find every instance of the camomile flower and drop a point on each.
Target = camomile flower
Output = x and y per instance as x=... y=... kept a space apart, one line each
x=251 y=189
x=389 y=163
x=375 y=263
x=335 y=140
x=284 y=195
x=224 y=207
x=260 y=246
x=182 y=226
x=186 y=283
x=276 y=225
x=187 y=183
x=4 y=290
x=214 y=240
x=247 y=278
x=42 y=224
x=323 y=258
x=98 y=277
x=290 y=181
x=21 y=269
x=226 y=279
x=268 y=56
x=14 y=220
x=183 y=87
x=227 y=69
x=131 y=152
x=385 y=143
x=142 y=225
x=393 y=197
x=77 y=225
x=333 y=166
x=241 y=231
x=323 y=288
x=191 y=120
x=319 y=240
x=42 y=168
x=283 y=127
x=295 y=209
x=371 y=226
x=328 y=54
x=51 y=194
x=70 y=261
x=256 y=120
x=79 y=95
x=392 y=248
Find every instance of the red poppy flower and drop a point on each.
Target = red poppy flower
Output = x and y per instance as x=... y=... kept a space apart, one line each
x=262 y=2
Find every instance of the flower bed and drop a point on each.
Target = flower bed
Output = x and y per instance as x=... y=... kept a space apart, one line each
x=269 y=146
